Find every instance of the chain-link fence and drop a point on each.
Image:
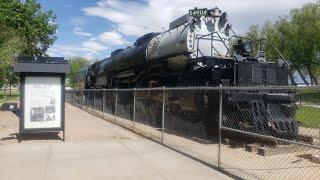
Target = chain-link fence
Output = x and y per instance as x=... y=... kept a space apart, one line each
x=248 y=132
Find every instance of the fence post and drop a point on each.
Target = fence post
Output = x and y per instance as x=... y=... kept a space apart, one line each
x=94 y=99
x=163 y=109
x=300 y=100
x=87 y=100
x=134 y=108
x=73 y=97
x=220 y=124
x=78 y=98
x=76 y=102
x=116 y=106
x=82 y=98
x=103 y=105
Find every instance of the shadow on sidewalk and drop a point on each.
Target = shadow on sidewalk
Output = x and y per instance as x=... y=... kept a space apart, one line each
x=34 y=136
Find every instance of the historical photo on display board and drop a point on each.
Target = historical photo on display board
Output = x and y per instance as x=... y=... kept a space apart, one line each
x=36 y=114
x=49 y=113
x=42 y=102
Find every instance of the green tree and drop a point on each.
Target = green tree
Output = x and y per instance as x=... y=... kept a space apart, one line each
x=307 y=39
x=76 y=64
x=10 y=47
x=34 y=26
x=25 y=29
x=297 y=37
x=254 y=35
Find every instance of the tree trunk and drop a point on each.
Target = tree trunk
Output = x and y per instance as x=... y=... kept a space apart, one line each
x=314 y=80
x=10 y=88
x=5 y=89
x=303 y=77
x=293 y=81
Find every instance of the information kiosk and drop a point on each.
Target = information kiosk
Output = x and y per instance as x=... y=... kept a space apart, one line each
x=42 y=94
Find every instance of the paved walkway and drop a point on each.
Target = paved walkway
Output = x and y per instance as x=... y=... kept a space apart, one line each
x=95 y=149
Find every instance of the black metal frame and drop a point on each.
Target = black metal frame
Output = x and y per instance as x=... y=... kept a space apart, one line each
x=22 y=129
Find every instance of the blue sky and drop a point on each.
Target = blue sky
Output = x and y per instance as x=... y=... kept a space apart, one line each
x=95 y=28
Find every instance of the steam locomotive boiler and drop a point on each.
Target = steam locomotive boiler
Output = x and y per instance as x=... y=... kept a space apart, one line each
x=200 y=50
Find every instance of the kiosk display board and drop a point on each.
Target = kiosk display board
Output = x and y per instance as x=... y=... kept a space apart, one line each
x=42 y=94
x=42 y=102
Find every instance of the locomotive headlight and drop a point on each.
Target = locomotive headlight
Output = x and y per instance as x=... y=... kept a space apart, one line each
x=247 y=46
x=216 y=12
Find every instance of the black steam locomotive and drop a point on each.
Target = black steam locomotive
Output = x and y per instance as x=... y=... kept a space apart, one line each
x=198 y=50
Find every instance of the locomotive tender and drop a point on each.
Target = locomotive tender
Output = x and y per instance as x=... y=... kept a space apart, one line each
x=200 y=50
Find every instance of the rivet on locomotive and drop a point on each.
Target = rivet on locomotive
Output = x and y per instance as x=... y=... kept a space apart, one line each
x=199 y=49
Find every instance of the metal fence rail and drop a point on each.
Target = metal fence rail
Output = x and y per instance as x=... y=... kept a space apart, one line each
x=249 y=132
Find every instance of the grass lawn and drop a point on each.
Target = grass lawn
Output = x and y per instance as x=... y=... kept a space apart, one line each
x=6 y=97
x=308 y=116
x=310 y=96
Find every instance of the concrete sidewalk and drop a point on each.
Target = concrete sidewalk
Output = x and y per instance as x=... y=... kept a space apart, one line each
x=112 y=159
x=94 y=149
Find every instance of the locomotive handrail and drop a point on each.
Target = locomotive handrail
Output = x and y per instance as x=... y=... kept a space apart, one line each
x=277 y=51
x=228 y=49
x=212 y=46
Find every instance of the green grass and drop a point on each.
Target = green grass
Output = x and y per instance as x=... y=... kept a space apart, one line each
x=310 y=96
x=308 y=116
x=5 y=97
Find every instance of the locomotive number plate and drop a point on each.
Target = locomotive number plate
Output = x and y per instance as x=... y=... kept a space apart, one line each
x=198 y=12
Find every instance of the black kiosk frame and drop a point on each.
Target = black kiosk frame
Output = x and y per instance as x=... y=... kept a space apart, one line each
x=42 y=91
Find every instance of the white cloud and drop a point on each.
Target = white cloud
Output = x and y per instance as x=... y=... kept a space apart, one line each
x=62 y=51
x=80 y=32
x=93 y=39
x=89 y=56
x=85 y=49
x=131 y=18
x=137 y=18
x=93 y=47
x=77 y=21
x=112 y=38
